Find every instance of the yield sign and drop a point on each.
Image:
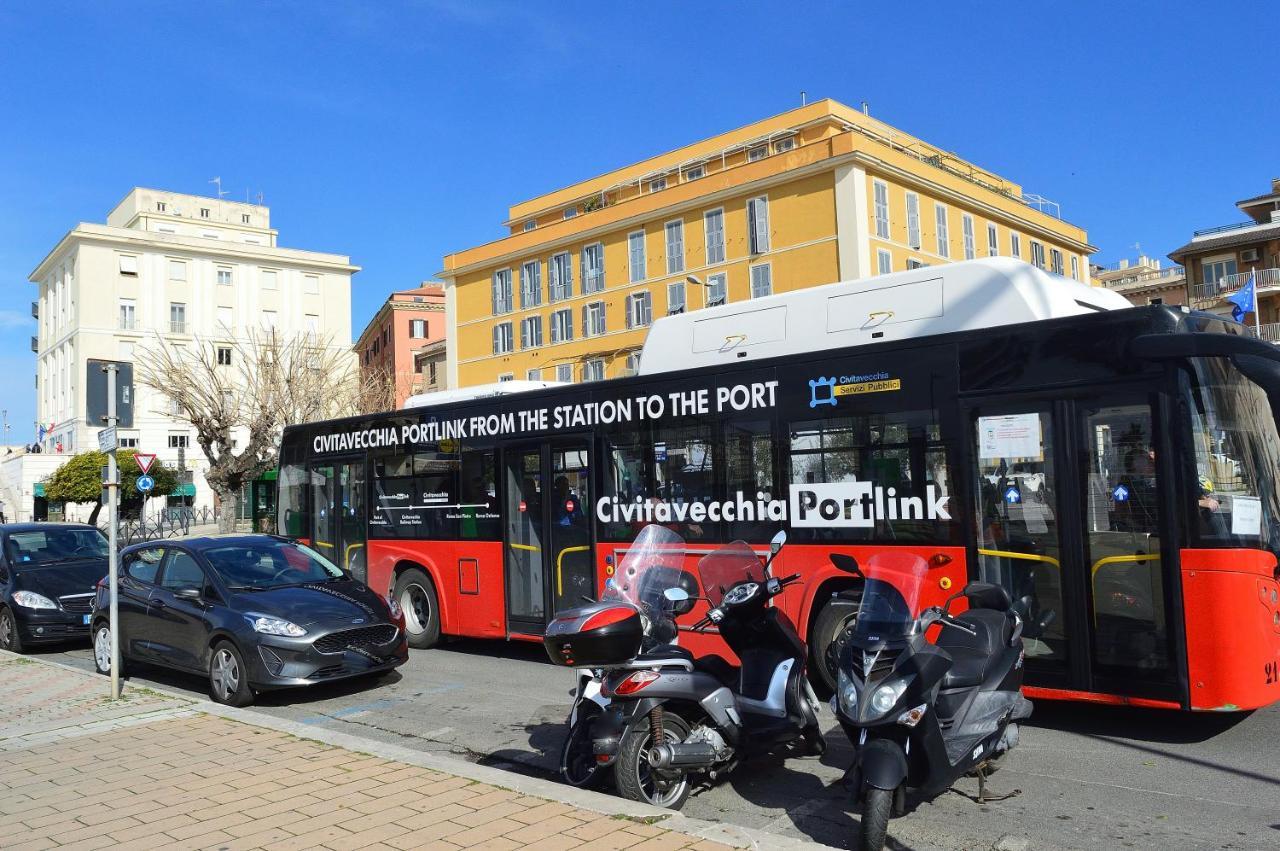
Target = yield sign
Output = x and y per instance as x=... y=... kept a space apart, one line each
x=145 y=460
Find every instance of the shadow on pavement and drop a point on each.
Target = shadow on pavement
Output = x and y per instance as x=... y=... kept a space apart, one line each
x=1127 y=722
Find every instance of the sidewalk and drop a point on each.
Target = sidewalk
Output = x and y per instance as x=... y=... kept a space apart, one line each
x=155 y=770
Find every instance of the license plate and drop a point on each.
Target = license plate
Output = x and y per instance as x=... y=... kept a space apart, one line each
x=86 y=619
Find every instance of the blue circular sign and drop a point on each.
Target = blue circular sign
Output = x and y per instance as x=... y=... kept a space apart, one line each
x=145 y=483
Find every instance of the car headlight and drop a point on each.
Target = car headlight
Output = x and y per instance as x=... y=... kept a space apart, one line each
x=886 y=696
x=394 y=608
x=846 y=694
x=32 y=600
x=268 y=625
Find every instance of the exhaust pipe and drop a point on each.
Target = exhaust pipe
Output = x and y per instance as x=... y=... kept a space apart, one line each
x=692 y=755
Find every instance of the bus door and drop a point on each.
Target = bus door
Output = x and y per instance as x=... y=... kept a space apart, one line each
x=1070 y=520
x=338 y=509
x=548 y=534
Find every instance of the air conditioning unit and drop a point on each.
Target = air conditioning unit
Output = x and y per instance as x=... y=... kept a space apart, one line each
x=1249 y=255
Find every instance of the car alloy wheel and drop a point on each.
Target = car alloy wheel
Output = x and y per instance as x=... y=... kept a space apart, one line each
x=8 y=631
x=102 y=648
x=226 y=674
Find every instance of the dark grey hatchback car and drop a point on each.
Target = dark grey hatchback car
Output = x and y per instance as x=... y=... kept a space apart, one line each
x=47 y=576
x=251 y=612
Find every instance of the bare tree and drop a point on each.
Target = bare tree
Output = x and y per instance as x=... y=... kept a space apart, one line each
x=239 y=395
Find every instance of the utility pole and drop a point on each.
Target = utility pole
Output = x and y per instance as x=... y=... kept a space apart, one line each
x=113 y=501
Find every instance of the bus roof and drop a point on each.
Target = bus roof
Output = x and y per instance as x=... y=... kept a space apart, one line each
x=964 y=296
x=478 y=391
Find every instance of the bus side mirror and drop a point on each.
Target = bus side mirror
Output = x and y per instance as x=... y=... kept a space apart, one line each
x=847 y=563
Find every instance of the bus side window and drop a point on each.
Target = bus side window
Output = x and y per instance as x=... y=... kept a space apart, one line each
x=478 y=494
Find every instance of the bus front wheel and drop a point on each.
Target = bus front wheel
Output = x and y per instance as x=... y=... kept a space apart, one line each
x=416 y=594
x=832 y=620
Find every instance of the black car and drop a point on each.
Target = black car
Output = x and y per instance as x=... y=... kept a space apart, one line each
x=252 y=612
x=48 y=573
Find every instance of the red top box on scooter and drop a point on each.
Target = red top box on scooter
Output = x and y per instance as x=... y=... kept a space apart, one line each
x=599 y=635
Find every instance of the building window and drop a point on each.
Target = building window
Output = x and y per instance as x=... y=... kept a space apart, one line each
x=224 y=276
x=1214 y=270
x=714 y=223
x=915 y=264
x=311 y=284
x=204 y=212
x=881 y=190
x=657 y=184
x=530 y=225
x=1037 y=254
x=507 y=376
x=944 y=238
x=675 y=246
x=695 y=173
x=560 y=273
x=913 y=220
x=530 y=285
x=226 y=318
x=177 y=318
x=224 y=355
x=311 y=322
x=966 y=227
x=675 y=297
x=593 y=268
x=759 y=152
x=784 y=144
x=717 y=289
x=501 y=295
x=533 y=374
x=593 y=319
x=432 y=373
x=1075 y=267
x=178 y=271
x=179 y=441
x=761 y=280
x=1015 y=245
x=1055 y=262
x=160 y=206
x=531 y=332
x=564 y=372
x=128 y=314
x=128 y=441
x=639 y=310
x=884 y=262
x=561 y=325
x=633 y=363
x=269 y=320
x=417 y=329
x=593 y=370
x=570 y=212
x=993 y=241
x=1155 y=301
x=758 y=224
x=635 y=246
x=269 y=280
x=502 y=342
x=129 y=265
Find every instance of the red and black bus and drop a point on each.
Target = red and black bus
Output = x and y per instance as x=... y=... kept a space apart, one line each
x=1115 y=469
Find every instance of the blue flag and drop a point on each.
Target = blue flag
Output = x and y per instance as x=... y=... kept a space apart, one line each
x=1243 y=300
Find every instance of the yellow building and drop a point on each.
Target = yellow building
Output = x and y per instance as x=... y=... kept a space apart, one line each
x=818 y=194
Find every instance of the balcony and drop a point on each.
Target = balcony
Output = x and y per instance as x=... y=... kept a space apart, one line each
x=35 y=310
x=1269 y=331
x=1228 y=284
x=128 y=323
x=177 y=326
x=35 y=344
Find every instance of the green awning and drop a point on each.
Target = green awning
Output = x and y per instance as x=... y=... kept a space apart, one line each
x=39 y=489
x=269 y=476
x=185 y=489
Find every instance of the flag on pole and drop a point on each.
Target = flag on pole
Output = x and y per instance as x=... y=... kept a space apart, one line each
x=1243 y=300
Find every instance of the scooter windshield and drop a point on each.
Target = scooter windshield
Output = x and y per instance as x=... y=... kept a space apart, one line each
x=890 y=597
x=652 y=564
x=726 y=567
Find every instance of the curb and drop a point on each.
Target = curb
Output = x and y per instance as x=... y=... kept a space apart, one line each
x=598 y=802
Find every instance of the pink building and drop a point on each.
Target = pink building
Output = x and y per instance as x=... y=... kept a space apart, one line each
x=408 y=322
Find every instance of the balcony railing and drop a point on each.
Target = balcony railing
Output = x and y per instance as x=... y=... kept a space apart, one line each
x=35 y=344
x=177 y=326
x=128 y=323
x=35 y=310
x=1228 y=284
x=1269 y=331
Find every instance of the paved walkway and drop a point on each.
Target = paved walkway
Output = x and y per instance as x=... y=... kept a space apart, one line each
x=154 y=770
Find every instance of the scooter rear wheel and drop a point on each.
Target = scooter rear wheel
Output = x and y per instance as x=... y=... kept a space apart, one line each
x=876 y=807
x=637 y=781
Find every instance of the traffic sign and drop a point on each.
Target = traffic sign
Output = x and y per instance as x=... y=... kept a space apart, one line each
x=145 y=483
x=107 y=439
x=145 y=460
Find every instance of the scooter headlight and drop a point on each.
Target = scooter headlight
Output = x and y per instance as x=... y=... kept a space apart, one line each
x=886 y=696
x=846 y=694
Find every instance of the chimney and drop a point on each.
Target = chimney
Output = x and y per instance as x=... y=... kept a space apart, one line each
x=1124 y=264
x=1275 y=184
x=866 y=110
x=1275 y=215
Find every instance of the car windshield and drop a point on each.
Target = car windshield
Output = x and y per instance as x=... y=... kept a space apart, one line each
x=265 y=564
x=53 y=545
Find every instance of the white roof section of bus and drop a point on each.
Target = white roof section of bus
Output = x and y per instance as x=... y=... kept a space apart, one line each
x=478 y=391
x=966 y=296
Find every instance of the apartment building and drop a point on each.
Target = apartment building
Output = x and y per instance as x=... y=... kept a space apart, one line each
x=407 y=322
x=817 y=194
x=1219 y=261
x=178 y=267
x=1144 y=281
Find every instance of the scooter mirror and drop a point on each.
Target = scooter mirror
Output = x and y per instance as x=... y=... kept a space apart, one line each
x=676 y=595
x=777 y=542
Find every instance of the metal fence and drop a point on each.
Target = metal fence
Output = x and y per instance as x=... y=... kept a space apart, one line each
x=176 y=522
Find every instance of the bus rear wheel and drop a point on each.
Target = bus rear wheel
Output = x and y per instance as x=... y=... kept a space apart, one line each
x=416 y=594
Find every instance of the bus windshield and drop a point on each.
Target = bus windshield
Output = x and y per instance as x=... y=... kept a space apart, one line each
x=1237 y=457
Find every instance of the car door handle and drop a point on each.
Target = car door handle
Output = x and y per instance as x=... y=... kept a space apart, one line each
x=159 y=604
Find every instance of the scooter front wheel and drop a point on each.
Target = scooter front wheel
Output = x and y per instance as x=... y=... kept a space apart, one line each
x=637 y=781
x=876 y=807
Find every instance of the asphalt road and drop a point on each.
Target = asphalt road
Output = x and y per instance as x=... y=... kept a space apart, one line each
x=1090 y=777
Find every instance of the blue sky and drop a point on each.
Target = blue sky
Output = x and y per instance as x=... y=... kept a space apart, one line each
x=396 y=132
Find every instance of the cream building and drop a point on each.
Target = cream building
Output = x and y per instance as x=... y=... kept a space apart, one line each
x=183 y=267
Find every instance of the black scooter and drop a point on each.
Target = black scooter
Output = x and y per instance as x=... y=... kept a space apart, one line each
x=921 y=714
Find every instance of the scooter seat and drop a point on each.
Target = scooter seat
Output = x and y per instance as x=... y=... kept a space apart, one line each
x=972 y=654
x=968 y=668
x=666 y=653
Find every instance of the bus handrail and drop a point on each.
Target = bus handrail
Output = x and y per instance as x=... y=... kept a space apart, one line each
x=560 y=564
x=1135 y=558
x=1024 y=556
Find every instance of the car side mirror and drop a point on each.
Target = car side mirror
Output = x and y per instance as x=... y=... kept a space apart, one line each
x=777 y=542
x=192 y=594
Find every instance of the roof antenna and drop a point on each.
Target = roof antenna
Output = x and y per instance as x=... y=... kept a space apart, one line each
x=217 y=181
x=804 y=98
